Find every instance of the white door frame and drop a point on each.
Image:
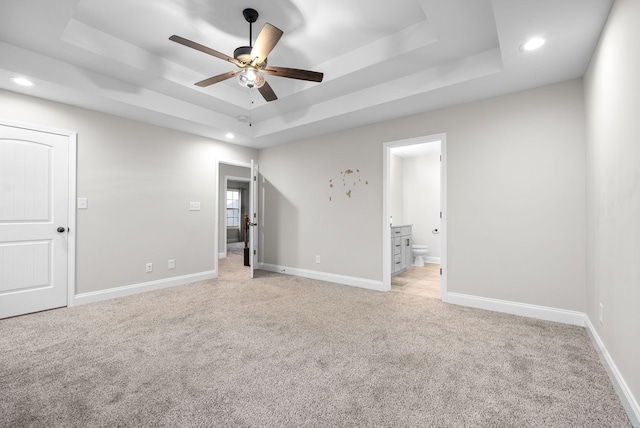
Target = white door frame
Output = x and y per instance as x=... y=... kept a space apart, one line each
x=253 y=218
x=71 y=235
x=386 y=229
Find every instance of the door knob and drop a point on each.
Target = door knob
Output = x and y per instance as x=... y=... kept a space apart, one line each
x=61 y=229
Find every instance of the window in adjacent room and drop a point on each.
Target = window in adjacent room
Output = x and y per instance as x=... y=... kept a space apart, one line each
x=233 y=208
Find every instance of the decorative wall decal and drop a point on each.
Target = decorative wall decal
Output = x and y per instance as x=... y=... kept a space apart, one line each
x=350 y=180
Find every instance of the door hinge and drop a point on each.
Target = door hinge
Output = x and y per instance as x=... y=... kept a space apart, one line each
x=440 y=158
x=255 y=178
x=254 y=252
x=440 y=214
x=440 y=271
x=254 y=215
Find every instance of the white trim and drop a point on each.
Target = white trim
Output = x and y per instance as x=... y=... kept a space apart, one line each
x=624 y=393
x=222 y=255
x=324 y=276
x=386 y=220
x=563 y=316
x=522 y=309
x=444 y=225
x=386 y=232
x=128 y=290
x=71 y=242
x=216 y=214
x=434 y=260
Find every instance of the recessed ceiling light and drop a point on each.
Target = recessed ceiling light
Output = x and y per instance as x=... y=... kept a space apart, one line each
x=229 y=135
x=22 y=81
x=243 y=119
x=533 y=44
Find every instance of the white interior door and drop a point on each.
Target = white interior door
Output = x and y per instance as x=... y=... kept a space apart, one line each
x=253 y=218
x=34 y=201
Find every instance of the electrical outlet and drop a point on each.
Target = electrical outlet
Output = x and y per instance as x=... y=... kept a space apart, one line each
x=194 y=206
x=317 y=259
x=172 y=264
x=148 y=267
x=82 y=204
x=601 y=315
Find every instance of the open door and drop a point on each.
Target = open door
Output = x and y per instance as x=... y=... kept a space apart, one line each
x=253 y=218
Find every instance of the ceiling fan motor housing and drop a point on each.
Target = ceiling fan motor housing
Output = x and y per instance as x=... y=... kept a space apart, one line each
x=243 y=54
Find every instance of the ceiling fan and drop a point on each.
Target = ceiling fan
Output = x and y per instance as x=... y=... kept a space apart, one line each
x=252 y=60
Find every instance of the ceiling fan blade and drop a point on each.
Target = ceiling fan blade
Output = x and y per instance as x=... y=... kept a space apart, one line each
x=266 y=41
x=216 y=79
x=202 y=48
x=294 y=73
x=267 y=92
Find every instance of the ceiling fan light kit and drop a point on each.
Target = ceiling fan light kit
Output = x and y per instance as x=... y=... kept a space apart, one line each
x=250 y=78
x=252 y=60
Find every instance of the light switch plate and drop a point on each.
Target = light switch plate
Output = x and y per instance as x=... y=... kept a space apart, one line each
x=194 y=206
x=83 y=204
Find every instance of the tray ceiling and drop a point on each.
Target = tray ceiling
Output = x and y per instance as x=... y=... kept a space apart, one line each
x=380 y=59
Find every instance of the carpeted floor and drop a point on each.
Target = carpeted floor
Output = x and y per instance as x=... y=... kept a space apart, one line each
x=281 y=351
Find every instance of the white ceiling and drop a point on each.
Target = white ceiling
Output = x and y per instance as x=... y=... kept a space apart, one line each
x=380 y=59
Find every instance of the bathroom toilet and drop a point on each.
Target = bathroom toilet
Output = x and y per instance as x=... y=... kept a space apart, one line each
x=419 y=253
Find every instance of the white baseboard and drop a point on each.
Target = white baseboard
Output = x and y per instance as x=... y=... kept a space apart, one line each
x=324 y=276
x=532 y=311
x=128 y=290
x=626 y=397
x=222 y=255
x=434 y=260
x=565 y=317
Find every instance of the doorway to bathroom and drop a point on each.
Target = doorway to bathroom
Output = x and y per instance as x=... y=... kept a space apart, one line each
x=414 y=194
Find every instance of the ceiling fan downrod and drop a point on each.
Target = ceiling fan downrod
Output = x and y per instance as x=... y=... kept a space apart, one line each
x=251 y=15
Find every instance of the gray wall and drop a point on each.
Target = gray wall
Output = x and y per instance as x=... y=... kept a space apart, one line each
x=139 y=180
x=422 y=199
x=313 y=205
x=516 y=197
x=612 y=95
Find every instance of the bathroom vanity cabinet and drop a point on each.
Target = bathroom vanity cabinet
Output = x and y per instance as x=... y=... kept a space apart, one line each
x=400 y=248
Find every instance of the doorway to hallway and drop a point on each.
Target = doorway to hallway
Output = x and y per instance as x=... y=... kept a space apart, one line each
x=238 y=201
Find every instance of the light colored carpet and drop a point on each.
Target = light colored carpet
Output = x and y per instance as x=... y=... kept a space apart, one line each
x=281 y=351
